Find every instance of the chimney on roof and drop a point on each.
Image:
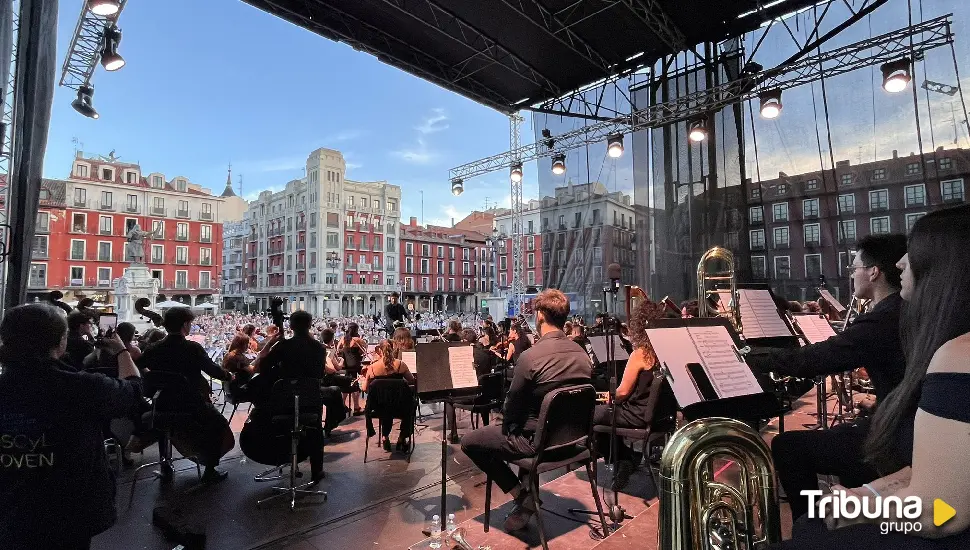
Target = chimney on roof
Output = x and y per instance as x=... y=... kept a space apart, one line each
x=452 y=222
x=939 y=149
x=842 y=163
x=895 y=154
x=782 y=175
x=414 y=221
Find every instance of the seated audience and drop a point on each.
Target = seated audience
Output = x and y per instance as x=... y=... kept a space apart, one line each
x=62 y=493
x=553 y=362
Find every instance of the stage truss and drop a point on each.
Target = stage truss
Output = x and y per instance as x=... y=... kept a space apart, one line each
x=84 y=54
x=6 y=147
x=797 y=70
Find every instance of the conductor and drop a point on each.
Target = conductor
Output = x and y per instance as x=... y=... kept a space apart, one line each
x=395 y=313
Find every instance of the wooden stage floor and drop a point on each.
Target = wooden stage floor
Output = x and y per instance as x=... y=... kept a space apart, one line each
x=384 y=503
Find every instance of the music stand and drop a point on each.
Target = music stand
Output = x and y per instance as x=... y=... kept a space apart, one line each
x=447 y=372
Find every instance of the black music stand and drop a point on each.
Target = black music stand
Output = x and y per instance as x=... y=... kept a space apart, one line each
x=436 y=383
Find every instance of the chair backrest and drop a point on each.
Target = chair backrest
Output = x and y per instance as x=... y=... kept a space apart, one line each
x=166 y=388
x=565 y=418
x=286 y=389
x=653 y=398
x=493 y=386
x=390 y=395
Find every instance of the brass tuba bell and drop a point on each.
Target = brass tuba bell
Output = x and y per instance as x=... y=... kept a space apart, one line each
x=731 y=310
x=698 y=512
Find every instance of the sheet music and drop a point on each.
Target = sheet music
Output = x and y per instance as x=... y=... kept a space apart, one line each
x=730 y=376
x=724 y=300
x=815 y=328
x=675 y=348
x=827 y=296
x=599 y=348
x=410 y=358
x=462 y=362
x=759 y=315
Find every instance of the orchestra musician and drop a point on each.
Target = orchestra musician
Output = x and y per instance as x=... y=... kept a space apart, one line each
x=632 y=394
x=453 y=334
x=872 y=342
x=935 y=328
x=206 y=434
x=395 y=314
x=553 y=362
x=81 y=331
x=387 y=365
x=351 y=349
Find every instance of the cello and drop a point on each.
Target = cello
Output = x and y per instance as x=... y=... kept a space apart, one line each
x=262 y=440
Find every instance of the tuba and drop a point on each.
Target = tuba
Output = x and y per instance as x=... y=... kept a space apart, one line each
x=698 y=512
x=705 y=293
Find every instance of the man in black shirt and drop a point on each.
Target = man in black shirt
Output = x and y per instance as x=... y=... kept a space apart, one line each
x=394 y=313
x=56 y=487
x=302 y=356
x=871 y=341
x=206 y=435
x=553 y=362
x=80 y=339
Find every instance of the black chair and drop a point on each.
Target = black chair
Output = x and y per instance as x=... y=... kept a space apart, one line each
x=166 y=390
x=646 y=435
x=296 y=404
x=564 y=438
x=391 y=397
x=231 y=397
x=490 y=398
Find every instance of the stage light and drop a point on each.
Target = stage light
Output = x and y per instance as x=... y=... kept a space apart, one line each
x=771 y=103
x=697 y=129
x=457 y=186
x=104 y=8
x=614 y=146
x=84 y=102
x=110 y=59
x=559 y=164
x=516 y=172
x=896 y=75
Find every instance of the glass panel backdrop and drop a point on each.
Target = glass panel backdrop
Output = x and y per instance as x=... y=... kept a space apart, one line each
x=789 y=196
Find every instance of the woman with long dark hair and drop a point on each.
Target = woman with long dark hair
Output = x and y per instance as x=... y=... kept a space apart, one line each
x=934 y=395
x=351 y=349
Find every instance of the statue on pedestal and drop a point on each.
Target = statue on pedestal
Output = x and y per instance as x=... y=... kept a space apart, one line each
x=136 y=244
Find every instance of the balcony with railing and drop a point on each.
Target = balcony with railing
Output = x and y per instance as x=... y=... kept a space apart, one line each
x=158 y=211
x=301 y=225
x=131 y=208
x=182 y=214
x=301 y=246
x=205 y=216
x=36 y=282
x=80 y=203
x=106 y=206
x=181 y=236
x=301 y=266
x=205 y=261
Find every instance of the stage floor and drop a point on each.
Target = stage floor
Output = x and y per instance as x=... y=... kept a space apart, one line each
x=384 y=503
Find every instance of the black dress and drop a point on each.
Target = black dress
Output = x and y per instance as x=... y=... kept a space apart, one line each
x=944 y=394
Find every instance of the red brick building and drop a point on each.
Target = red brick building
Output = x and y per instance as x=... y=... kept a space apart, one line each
x=80 y=239
x=442 y=269
x=806 y=225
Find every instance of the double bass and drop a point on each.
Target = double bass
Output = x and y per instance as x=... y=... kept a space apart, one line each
x=262 y=440
x=55 y=298
x=141 y=306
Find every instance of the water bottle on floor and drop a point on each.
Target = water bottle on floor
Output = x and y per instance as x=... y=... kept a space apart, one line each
x=450 y=526
x=435 y=532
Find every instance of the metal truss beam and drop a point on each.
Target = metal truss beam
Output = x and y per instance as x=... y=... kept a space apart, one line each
x=866 y=53
x=656 y=20
x=343 y=27
x=449 y=24
x=84 y=53
x=518 y=286
x=557 y=29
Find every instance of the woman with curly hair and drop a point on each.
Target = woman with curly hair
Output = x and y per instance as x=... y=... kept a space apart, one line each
x=632 y=394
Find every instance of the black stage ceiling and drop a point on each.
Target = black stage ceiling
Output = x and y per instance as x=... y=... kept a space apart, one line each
x=508 y=54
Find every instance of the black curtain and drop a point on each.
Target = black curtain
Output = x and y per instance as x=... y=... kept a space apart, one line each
x=33 y=95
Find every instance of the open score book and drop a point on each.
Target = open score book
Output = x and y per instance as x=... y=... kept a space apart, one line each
x=713 y=348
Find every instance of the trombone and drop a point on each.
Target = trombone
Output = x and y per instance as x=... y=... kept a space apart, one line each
x=706 y=293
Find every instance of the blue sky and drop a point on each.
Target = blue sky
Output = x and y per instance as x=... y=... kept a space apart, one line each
x=213 y=81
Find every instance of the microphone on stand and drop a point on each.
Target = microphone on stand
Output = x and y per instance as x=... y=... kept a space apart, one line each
x=614 y=272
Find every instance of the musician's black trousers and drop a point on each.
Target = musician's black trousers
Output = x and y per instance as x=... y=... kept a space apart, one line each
x=491 y=450
x=603 y=416
x=800 y=456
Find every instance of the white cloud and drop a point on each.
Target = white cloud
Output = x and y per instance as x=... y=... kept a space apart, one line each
x=446 y=213
x=434 y=123
x=419 y=154
x=346 y=135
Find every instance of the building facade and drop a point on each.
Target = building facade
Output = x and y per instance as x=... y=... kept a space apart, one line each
x=80 y=239
x=531 y=249
x=234 y=295
x=443 y=269
x=584 y=229
x=805 y=226
x=324 y=243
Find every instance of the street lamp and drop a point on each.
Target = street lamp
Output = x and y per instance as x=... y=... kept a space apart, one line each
x=333 y=260
x=492 y=243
